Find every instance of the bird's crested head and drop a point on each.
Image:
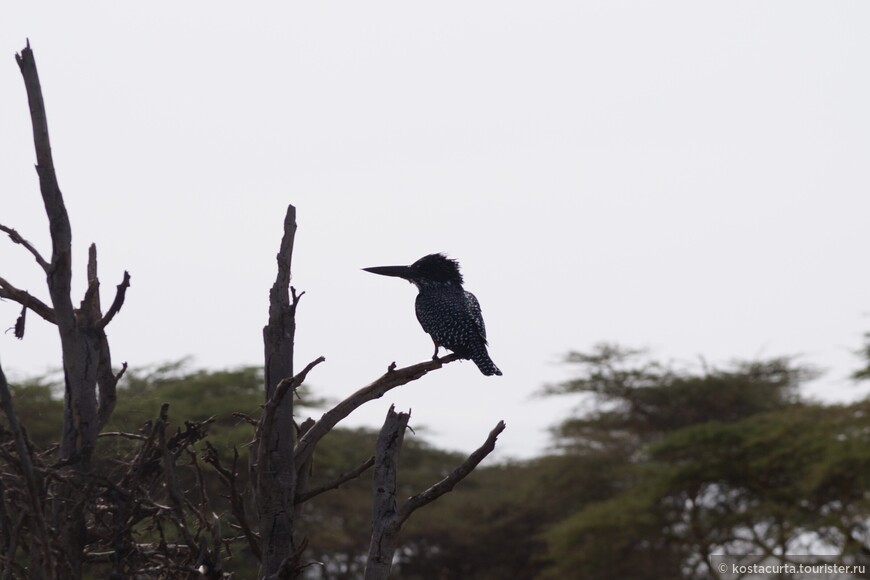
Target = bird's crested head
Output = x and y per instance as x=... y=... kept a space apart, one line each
x=434 y=269
x=437 y=268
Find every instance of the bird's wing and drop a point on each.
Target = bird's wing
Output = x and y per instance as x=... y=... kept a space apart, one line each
x=476 y=314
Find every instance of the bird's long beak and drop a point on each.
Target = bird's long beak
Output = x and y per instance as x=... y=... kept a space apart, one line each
x=395 y=271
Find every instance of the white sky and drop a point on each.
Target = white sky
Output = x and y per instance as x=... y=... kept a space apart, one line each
x=686 y=176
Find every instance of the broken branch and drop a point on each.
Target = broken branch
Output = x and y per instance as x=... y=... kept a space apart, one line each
x=24 y=298
x=117 y=303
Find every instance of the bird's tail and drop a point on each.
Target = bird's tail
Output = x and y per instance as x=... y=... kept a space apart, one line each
x=484 y=363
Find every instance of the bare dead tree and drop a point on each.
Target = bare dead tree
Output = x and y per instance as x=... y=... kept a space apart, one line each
x=387 y=516
x=143 y=494
x=85 y=350
x=43 y=557
x=65 y=514
x=62 y=514
x=274 y=473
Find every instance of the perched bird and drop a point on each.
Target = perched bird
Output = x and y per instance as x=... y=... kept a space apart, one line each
x=446 y=311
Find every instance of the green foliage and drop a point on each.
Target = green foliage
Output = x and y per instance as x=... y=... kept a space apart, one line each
x=337 y=524
x=638 y=398
x=724 y=460
x=38 y=408
x=193 y=396
x=778 y=480
x=864 y=374
x=668 y=466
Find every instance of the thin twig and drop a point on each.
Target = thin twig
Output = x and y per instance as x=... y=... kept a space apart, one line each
x=237 y=503
x=16 y=237
x=123 y=435
x=203 y=496
x=245 y=417
x=13 y=545
x=337 y=482
x=143 y=456
x=176 y=497
x=7 y=533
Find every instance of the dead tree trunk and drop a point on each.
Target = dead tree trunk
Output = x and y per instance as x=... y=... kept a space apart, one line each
x=385 y=530
x=85 y=350
x=275 y=473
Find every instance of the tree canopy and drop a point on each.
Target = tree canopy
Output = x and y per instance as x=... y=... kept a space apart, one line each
x=666 y=466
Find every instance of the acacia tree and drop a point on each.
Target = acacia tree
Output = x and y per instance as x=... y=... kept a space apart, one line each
x=138 y=518
x=726 y=461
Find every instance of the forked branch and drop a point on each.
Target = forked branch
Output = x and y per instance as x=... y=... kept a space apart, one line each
x=448 y=483
x=267 y=423
x=387 y=518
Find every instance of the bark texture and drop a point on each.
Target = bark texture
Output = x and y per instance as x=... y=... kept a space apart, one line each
x=274 y=473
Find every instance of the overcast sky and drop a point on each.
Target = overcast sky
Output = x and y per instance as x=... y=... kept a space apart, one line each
x=691 y=177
